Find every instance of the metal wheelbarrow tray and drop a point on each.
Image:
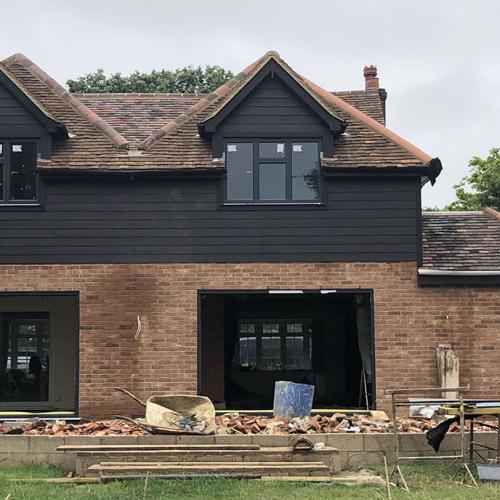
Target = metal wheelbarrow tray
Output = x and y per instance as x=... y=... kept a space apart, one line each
x=175 y=414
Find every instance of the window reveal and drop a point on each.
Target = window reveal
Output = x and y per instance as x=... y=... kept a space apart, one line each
x=272 y=171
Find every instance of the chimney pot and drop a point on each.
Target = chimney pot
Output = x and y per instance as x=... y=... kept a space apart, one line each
x=370 y=74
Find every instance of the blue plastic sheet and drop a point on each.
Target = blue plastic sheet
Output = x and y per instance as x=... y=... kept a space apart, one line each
x=292 y=400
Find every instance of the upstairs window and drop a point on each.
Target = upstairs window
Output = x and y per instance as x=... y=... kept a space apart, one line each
x=18 y=172
x=272 y=171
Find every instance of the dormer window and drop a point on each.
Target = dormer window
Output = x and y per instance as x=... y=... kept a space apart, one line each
x=18 y=172
x=270 y=171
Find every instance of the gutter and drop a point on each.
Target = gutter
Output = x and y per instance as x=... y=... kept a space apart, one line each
x=442 y=272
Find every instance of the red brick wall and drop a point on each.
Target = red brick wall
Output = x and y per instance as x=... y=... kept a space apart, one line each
x=409 y=322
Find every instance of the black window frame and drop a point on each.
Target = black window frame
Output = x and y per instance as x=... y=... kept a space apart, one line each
x=287 y=161
x=283 y=334
x=5 y=161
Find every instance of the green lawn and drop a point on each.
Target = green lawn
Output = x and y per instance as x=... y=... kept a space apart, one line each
x=426 y=481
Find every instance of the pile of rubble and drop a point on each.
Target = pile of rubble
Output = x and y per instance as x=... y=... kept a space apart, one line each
x=240 y=423
x=62 y=428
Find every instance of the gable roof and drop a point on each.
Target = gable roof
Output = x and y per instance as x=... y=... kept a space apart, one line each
x=461 y=241
x=138 y=131
x=30 y=103
x=270 y=66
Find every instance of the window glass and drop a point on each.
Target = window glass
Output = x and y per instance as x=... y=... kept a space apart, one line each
x=294 y=328
x=1 y=150
x=271 y=150
x=294 y=352
x=272 y=181
x=24 y=356
x=248 y=352
x=239 y=166
x=23 y=171
x=305 y=171
x=271 y=347
x=1 y=181
x=247 y=328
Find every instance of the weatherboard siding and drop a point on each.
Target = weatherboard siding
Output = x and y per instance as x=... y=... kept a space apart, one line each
x=119 y=220
x=15 y=119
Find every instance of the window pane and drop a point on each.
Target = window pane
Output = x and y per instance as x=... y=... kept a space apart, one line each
x=294 y=328
x=24 y=358
x=1 y=150
x=1 y=181
x=248 y=352
x=272 y=181
x=270 y=328
x=239 y=164
x=305 y=171
x=22 y=172
x=270 y=358
x=272 y=150
x=247 y=328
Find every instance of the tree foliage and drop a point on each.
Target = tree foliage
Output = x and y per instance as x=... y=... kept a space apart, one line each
x=186 y=80
x=481 y=188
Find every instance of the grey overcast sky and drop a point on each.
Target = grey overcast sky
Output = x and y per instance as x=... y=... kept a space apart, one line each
x=438 y=59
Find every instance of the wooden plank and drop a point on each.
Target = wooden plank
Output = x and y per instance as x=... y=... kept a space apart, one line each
x=154 y=447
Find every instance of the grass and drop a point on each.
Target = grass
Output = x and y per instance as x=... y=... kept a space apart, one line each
x=426 y=481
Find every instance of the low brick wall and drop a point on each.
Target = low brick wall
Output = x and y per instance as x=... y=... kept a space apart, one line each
x=355 y=450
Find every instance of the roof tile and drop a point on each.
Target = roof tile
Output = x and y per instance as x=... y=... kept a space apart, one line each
x=461 y=241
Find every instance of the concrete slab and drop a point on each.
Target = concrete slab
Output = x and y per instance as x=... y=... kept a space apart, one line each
x=345 y=441
x=14 y=444
x=45 y=444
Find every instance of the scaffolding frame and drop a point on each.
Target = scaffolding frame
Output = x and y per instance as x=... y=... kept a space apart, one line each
x=463 y=470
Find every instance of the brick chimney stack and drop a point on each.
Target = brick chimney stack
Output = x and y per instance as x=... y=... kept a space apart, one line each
x=371 y=80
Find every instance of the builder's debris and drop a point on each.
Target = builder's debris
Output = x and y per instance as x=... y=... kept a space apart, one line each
x=240 y=423
x=62 y=428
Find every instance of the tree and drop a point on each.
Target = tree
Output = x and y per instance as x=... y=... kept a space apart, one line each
x=185 y=80
x=481 y=188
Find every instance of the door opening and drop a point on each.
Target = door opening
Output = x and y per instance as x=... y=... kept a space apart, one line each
x=250 y=340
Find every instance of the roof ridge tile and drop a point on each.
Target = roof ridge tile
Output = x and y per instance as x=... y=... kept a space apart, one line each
x=203 y=103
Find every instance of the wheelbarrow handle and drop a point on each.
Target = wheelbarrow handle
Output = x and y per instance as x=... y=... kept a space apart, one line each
x=129 y=394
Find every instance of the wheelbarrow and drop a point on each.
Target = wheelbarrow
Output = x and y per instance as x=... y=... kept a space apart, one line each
x=175 y=414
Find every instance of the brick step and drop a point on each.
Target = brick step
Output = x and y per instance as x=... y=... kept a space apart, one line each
x=227 y=469
x=327 y=456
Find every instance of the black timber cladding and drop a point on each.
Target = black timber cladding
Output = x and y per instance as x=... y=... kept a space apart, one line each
x=20 y=119
x=120 y=220
x=273 y=110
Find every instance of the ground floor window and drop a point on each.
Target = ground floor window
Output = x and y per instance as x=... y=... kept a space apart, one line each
x=24 y=362
x=272 y=345
x=38 y=352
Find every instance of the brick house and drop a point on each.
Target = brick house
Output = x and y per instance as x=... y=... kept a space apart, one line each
x=217 y=243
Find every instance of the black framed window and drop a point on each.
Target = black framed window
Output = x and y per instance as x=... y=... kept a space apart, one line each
x=272 y=171
x=24 y=356
x=18 y=178
x=274 y=345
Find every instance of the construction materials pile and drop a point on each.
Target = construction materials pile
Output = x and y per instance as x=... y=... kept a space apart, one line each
x=62 y=428
x=240 y=423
